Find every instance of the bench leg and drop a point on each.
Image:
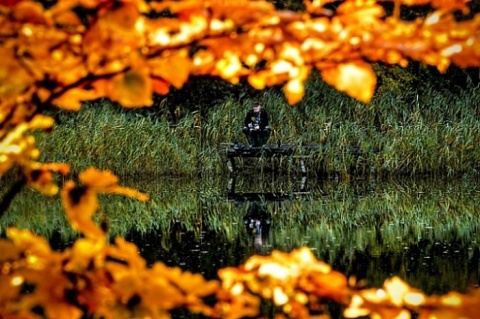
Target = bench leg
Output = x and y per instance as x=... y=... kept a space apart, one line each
x=303 y=167
x=231 y=165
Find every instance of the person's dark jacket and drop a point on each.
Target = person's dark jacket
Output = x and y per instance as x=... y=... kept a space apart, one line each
x=260 y=118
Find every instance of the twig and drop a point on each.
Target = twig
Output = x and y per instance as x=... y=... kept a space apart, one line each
x=10 y=194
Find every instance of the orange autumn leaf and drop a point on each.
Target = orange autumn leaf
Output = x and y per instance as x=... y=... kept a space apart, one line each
x=81 y=201
x=82 y=253
x=26 y=240
x=67 y=18
x=9 y=251
x=62 y=168
x=160 y=87
x=123 y=17
x=132 y=89
x=80 y=204
x=357 y=79
x=11 y=86
x=332 y=285
x=107 y=182
x=62 y=310
x=73 y=98
x=31 y=12
x=174 y=69
x=451 y=5
x=441 y=4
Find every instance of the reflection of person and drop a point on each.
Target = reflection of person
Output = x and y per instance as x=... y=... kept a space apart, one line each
x=257 y=221
x=256 y=127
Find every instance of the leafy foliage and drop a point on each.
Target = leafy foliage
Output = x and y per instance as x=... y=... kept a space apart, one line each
x=82 y=50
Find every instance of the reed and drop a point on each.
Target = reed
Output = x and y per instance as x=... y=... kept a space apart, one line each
x=126 y=142
x=405 y=130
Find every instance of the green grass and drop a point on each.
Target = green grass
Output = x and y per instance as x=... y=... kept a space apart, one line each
x=411 y=131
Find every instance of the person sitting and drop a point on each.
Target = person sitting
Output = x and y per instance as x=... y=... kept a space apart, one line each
x=256 y=127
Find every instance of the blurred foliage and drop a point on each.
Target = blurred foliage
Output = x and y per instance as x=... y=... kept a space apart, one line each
x=124 y=51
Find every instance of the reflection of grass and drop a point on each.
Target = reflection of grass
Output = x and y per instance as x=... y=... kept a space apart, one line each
x=366 y=229
x=170 y=203
x=379 y=215
x=347 y=217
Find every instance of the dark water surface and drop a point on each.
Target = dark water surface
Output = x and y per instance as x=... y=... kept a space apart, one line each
x=426 y=232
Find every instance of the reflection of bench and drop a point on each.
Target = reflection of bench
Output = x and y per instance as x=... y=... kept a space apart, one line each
x=267 y=151
x=251 y=197
x=240 y=197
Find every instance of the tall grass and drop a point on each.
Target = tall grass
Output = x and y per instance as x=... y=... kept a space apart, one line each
x=422 y=130
x=128 y=143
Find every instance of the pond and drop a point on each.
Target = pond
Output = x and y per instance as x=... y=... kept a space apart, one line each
x=426 y=231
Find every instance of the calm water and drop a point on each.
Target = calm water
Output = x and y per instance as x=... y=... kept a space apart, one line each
x=425 y=231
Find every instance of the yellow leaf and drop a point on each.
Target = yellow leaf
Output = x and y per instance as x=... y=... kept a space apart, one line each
x=81 y=202
x=40 y=177
x=258 y=80
x=294 y=91
x=26 y=240
x=396 y=290
x=42 y=181
x=107 y=182
x=82 y=253
x=132 y=89
x=357 y=79
x=40 y=121
x=99 y=180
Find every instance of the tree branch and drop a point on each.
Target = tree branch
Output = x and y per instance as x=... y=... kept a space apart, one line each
x=11 y=193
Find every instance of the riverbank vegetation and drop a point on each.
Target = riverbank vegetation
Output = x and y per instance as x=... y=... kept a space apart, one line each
x=412 y=127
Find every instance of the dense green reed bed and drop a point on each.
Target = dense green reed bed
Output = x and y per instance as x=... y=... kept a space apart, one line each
x=128 y=143
x=406 y=130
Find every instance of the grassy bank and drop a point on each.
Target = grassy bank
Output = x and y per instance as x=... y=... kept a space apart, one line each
x=405 y=130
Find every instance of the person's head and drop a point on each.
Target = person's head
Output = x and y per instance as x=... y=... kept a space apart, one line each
x=256 y=106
